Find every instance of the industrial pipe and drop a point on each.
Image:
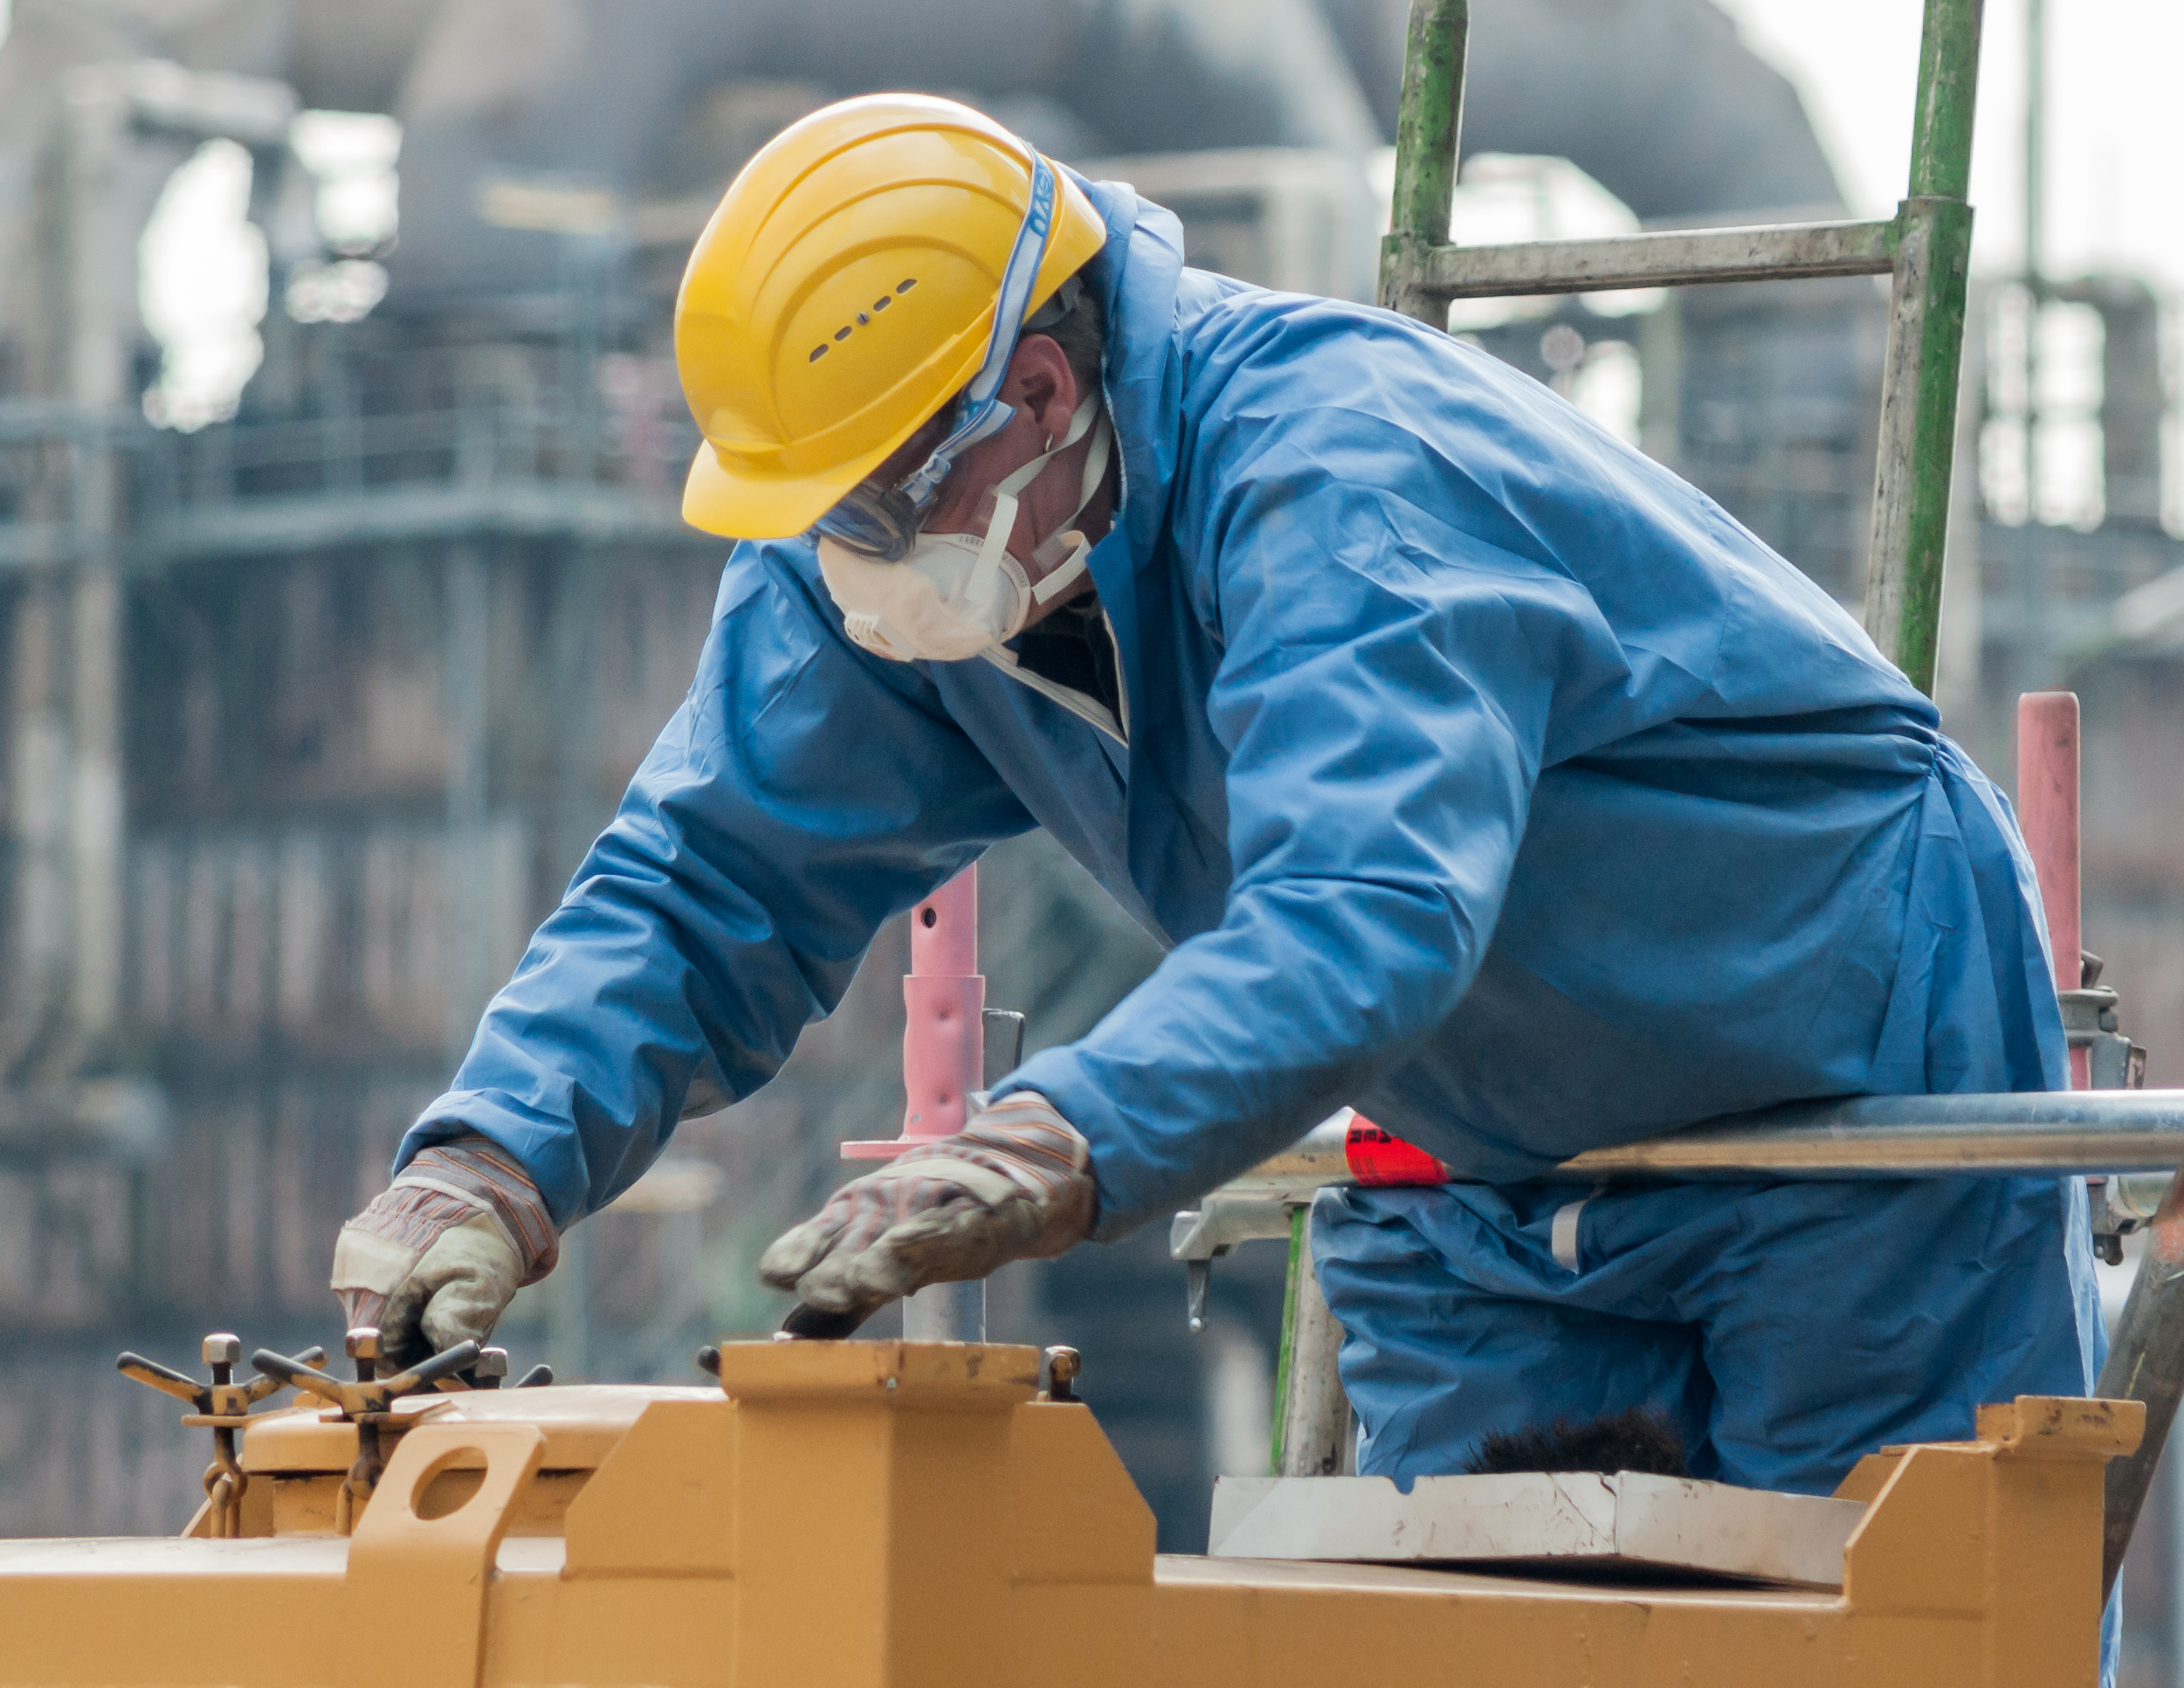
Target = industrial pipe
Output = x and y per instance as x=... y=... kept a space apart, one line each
x=1901 y=1136
x=944 y=995
x=2031 y=1132
x=944 y=1031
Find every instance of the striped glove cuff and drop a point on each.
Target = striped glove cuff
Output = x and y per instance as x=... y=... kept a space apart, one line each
x=1022 y=1136
x=477 y=1173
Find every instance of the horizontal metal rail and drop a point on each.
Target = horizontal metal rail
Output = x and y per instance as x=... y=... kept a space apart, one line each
x=34 y=421
x=278 y=527
x=1891 y=1136
x=1678 y=258
x=2038 y=1131
x=37 y=544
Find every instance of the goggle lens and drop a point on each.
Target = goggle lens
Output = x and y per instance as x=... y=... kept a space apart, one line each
x=874 y=522
x=881 y=519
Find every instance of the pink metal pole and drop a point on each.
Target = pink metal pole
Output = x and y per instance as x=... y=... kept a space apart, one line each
x=943 y=1060
x=944 y=1037
x=2047 y=810
x=944 y=1040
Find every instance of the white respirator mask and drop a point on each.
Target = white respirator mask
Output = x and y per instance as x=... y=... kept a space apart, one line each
x=955 y=594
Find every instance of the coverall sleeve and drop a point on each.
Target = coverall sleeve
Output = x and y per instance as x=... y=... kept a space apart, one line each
x=1391 y=654
x=802 y=795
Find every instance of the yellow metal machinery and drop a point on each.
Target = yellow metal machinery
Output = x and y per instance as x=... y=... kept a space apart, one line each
x=840 y=1513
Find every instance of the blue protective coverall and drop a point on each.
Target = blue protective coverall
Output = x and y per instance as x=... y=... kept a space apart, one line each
x=1479 y=773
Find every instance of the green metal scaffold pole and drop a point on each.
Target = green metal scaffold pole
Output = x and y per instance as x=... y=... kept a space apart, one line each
x=1932 y=251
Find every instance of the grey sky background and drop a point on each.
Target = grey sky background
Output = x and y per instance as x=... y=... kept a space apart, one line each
x=2115 y=141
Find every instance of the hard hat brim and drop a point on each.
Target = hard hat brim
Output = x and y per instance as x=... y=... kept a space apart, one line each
x=743 y=506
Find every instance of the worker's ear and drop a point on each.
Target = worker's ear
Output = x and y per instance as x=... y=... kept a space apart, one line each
x=1041 y=384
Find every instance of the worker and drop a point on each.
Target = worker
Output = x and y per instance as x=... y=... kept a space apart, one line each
x=1471 y=767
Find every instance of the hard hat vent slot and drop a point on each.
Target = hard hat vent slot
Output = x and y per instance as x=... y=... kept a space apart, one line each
x=864 y=318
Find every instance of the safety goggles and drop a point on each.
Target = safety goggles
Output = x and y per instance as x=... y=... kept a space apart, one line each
x=882 y=519
x=879 y=519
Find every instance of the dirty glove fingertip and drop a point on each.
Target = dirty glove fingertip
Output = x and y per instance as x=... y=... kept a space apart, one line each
x=792 y=1254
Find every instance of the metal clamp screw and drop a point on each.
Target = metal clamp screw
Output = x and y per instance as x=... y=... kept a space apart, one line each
x=222 y=1405
x=1058 y=1371
x=367 y=1402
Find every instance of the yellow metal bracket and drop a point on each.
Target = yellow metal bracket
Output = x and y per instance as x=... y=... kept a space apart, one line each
x=427 y=1578
x=2063 y=1426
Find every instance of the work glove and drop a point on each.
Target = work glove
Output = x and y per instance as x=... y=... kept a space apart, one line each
x=1014 y=1184
x=439 y=1254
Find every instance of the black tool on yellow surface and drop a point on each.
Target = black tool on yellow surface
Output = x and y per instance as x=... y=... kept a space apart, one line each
x=806 y=1323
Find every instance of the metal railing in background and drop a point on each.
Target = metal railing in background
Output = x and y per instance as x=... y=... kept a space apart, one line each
x=413 y=458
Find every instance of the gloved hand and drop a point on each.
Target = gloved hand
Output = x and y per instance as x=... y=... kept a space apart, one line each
x=1014 y=1184
x=437 y=1257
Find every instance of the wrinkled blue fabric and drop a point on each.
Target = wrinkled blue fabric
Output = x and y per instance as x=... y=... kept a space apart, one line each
x=1785 y=1329
x=1482 y=773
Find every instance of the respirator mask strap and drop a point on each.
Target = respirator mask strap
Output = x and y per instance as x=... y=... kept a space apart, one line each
x=1002 y=523
x=1052 y=583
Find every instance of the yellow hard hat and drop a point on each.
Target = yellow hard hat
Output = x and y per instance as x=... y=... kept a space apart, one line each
x=851 y=283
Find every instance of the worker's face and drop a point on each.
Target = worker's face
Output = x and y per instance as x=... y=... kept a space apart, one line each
x=1043 y=391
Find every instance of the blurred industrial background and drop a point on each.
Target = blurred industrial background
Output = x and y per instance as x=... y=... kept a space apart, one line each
x=342 y=586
